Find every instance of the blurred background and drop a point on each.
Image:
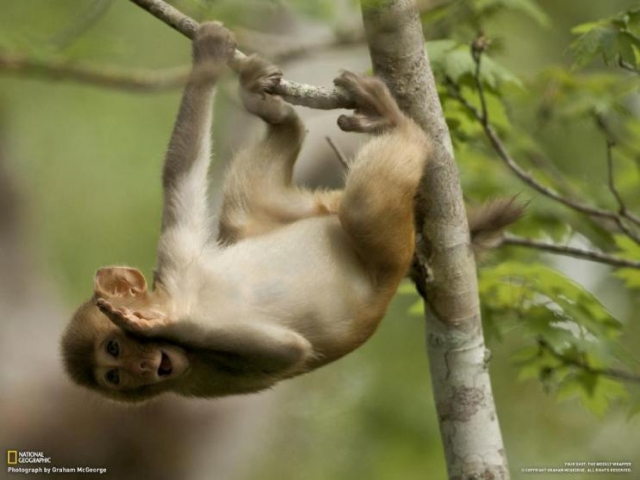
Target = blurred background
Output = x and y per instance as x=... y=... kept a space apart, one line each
x=80 y=188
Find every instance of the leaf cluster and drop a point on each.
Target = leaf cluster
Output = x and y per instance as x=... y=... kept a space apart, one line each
x=615 y=39
x=571 y=333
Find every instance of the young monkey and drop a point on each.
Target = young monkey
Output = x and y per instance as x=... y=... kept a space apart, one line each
x=296 y=279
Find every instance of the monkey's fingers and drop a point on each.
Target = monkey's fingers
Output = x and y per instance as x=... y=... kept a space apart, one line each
x=214 y=42
x=151 y=315
x=122 y=317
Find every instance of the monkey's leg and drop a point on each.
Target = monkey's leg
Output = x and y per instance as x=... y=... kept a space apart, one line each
x=258 y=191
x=185 y=216
x=377 y=207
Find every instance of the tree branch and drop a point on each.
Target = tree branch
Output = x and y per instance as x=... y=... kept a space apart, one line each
x=568 y=251
x=111 y=77
x=622 y=207
x=457 y=355
x=339 y=154
x=623 y=375
x=627 y=66
x=477 y=49
x=499 y=147
x=526 y=177
x=296 y=93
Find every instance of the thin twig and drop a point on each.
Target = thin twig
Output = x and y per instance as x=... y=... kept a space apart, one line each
x=296 y=93
x=526 y=177
x=628 y=66
x=611 y=179
x=478 y=47
x=623 y=375
x=138 y=80
x=591 y=255
x=339 y=154
x=622 y=207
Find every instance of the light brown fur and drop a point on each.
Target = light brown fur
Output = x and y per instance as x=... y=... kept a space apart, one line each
x=296 y=279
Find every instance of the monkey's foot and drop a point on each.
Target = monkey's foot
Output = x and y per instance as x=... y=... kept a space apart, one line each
x=258 y=78
x=376 y=110
x=213 y=42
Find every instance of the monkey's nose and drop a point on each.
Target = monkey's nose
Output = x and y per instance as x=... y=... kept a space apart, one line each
x=139 y=366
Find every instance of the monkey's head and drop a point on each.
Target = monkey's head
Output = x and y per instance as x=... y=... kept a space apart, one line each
x=100 y=355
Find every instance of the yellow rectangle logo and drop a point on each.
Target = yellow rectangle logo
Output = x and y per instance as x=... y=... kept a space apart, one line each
x=12 y=457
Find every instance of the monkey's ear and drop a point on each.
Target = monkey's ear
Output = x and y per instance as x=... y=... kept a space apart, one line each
x=119 y=282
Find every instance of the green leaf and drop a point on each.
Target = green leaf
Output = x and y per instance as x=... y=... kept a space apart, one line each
x=588 y=382
x=568 y=389
x=551 y=306
x=628 y=249
x=600 y=392
x=453 y=60
x=627 y=246
x=615 y=39
x=597 y=40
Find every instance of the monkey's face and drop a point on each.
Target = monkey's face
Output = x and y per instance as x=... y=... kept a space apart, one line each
x=124 y=363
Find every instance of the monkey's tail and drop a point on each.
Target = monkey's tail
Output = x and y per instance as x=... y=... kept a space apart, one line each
x=486 y=225
x=488 y=221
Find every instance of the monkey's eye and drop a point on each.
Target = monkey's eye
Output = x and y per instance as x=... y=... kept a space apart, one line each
x=113 y=348
x=113 y=377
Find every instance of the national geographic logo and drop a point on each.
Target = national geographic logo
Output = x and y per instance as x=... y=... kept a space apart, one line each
x=19 y=457
x=36 y=463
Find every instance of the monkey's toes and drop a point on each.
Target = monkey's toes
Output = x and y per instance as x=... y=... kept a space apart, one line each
x=365 y=91
x=351 y=123
x=258 y=75
x=376 y=109
x=363 y=123
x=213 y=40
x=347 y=80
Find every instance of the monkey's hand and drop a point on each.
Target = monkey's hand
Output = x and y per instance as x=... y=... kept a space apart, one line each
x=258 y=78
x=376 y=109
x=213 y=43
x=139 y=322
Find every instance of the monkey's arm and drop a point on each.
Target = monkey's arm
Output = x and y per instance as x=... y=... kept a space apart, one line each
x=186 y=217
x=254 y=348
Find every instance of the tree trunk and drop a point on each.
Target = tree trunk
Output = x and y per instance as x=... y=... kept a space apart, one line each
x=455 y=344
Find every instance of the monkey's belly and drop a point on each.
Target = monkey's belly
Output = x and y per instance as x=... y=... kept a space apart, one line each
x=306 y=276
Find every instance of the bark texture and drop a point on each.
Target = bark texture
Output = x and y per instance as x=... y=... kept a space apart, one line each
x=455 y=343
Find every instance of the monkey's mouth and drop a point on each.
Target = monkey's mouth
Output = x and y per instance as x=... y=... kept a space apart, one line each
x=165 y=367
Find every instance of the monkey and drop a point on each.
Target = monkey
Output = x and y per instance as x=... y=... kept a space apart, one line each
x=295 y=279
